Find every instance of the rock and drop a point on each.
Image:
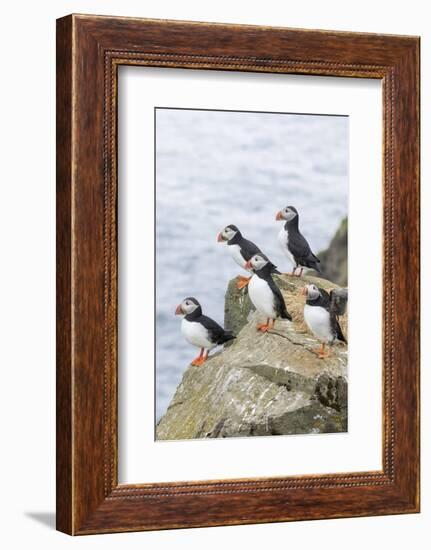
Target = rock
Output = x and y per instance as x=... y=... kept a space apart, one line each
x=237 y=307
x=333 y=260
x=262 y=384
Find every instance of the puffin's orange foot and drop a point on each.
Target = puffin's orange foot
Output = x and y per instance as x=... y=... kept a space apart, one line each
x=199 y=361
x=264 y=327
x=322 y=353
x=242 y=282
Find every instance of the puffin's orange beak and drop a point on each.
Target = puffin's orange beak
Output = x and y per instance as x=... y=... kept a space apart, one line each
x=179 y=310
x=304 y=291
x=248 y=265
x=278 y=217
x=219 y=238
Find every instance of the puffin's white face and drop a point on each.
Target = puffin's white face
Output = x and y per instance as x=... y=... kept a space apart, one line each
x=257 y=262
x=311 y=292
x=227 y=234
x=187 y=306
x=286 y=214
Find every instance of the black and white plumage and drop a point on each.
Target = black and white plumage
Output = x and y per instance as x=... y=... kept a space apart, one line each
x=241 y=250
x=321 y=312
x=199 y=330
x=293 y=243
x=264 y=293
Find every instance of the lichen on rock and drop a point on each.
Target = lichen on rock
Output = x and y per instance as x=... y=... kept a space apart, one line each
x=263 y=383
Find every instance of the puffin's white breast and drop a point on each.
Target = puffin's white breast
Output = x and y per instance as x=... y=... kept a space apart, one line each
x=283 y=237
x=262 y=296
x=235 y=252
x=318 y=321
x=196 y=334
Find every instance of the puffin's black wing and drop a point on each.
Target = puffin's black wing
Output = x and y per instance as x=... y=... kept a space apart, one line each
x=248 y=249
x=336 y=329
x=279 y=303
x=273 y=269
x=324 y=299
x=301 y=251
x=216 y=333
x=337 y=306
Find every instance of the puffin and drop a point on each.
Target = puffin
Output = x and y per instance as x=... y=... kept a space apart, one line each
x=264 y=293
x=321 y=312
x=241 y=250
x=199 y=330
x=293 y=243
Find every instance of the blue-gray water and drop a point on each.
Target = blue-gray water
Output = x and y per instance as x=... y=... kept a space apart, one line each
x=214 y=168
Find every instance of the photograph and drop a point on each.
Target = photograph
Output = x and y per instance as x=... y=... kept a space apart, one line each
x=251 y=273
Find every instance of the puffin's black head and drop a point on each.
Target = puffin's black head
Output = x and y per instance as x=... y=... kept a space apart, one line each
x=228 y=233
x=188 y=305
x=311 y=292
x=288 y=214
x=257 y=262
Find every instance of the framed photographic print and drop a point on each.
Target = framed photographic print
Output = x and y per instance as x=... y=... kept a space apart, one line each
x=237 y=274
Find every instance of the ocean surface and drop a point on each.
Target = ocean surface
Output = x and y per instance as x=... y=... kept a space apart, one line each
x=215 y=168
